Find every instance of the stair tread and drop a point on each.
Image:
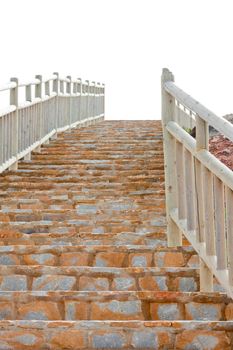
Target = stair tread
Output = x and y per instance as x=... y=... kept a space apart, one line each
x=84 y=261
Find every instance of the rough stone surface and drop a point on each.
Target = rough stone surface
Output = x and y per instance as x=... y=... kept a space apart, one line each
x=144 y=340
x=84 y=262
x=108 y=341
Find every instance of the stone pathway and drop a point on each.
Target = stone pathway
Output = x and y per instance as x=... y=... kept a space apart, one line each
x=84 y=262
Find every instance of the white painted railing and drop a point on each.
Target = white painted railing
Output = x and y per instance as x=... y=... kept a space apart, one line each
x=50 y=106
x=199 y=188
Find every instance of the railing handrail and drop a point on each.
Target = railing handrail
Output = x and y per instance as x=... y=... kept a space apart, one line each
x=219 y=123
x=198 y=187
x=13 y=85
x=54 y=104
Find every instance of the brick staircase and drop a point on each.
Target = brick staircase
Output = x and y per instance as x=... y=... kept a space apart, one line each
x=84 y=262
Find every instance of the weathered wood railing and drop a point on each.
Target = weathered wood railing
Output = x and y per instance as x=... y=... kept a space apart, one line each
x=199 y=188
x=50 y=106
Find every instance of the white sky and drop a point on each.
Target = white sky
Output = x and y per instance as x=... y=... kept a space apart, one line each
x=124 y=43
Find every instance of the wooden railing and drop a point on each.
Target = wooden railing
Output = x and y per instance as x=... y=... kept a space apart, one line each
x=49 y=106
x=199 y=188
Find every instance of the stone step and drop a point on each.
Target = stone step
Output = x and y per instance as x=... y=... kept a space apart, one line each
x=83 y=194
x=118 y=335
x=108 y=256
x=155 y=147
x=63 y=202
x=48 y=278
x=67 y=179
x=117 y=306
x=84 y=225
x=63 y=235
x=88 y=165
x=126 y=213
x=77 y=172
x=93 y=160
x=76 y=186
x=99 y=153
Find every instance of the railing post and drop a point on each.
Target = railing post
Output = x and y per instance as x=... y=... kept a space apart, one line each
x=28 y=97
x=174 y=235
x=87 y=100
x=47 y=88
x=98 y=99
x=48 y=112
x=103 y=101
x=80 y=90
x=76 y=99
x=56 y=90
x=38 y=94
x=68 y=91
x=93 y=100
x=202 y=142
x=14 y=101
x=206 y=278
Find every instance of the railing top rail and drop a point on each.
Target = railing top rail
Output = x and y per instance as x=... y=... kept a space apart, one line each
x=29 y=82
x=8 y=86
x=12 y=84
x=219 y=123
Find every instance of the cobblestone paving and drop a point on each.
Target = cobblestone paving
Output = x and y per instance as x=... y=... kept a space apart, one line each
x=84 y=262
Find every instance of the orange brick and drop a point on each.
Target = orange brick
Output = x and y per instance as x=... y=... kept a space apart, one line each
x=75 y=310
x=93 y=283
x=69 y=339
x=109 y=259
x=148 y=283
x=40 y=259
x=229 y=312
x=166 y=311
x=206 y=340
x=174 y=259
x=6 y=311
x=74 y=259
x=116 y=310
x=39 y=310
x=143 y=259
x=203 y=311
x=23 y=339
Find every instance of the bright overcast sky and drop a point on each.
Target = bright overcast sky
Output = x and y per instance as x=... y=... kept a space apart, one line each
x=124 y=43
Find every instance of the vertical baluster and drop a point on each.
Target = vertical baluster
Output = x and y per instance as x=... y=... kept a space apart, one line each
x=177 y=112
x=229 y=222
x=61 y=111
x=56 y=90
x=8 y=135
x=74 y=115
x=199 y=202
x=103 y=101
x=47 y=115
x=14 y=101
x=180 y=180
x=1 y=140
x=68 y=91
x=190 y=191
x=4 y=139
x=31 y=127
x=38 y=94
x=219 y=207
x=81 y=99
x=209 y=212
x=98 y=98
x=206 y=278
x=87 y=100
x=94 y=100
